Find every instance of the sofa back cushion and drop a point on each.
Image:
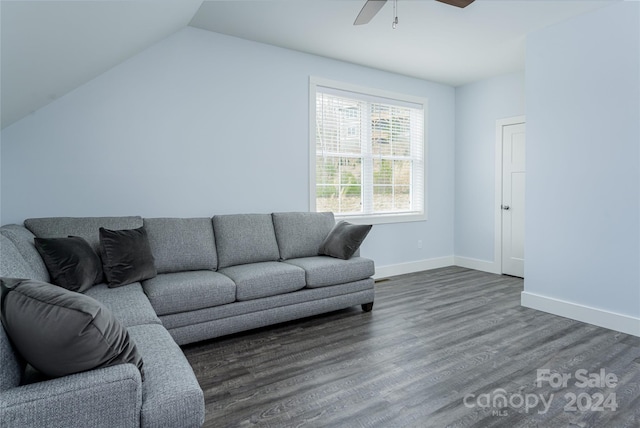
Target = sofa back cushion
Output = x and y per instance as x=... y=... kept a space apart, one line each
x=12 y=264
x=182 y=244
x=22 y=238
x=300 y=234
x=84 y=227
x=245 y=238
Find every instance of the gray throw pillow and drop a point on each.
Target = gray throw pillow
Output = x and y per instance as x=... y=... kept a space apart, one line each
x=71 y=262
x=344 y=240
x=126 y=256
x=61 y=332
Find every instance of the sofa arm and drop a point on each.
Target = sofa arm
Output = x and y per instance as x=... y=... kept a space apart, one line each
x=108 y=397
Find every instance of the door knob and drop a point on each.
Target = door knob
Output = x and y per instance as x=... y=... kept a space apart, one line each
x=506 y=207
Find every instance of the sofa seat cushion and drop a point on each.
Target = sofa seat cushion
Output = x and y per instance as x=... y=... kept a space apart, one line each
x=239 y=309
x=176 y=292
x=257 y=280
x=322 y=271
x=171 y=395
x=128 y=303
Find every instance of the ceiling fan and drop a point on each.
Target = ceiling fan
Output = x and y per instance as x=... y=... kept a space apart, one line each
x=371 y=8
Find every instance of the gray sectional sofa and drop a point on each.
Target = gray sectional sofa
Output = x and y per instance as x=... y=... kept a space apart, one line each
x=216 y=276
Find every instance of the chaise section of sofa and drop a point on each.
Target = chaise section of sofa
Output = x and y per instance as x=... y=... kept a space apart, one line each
x=108 y=397
x=169 y=396
x=105 y=397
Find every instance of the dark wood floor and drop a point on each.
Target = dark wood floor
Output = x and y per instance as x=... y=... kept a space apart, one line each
x=434 y=341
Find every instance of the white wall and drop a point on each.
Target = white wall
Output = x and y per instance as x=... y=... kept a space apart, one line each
x=478 y=106
x=583 y=163
x=204 y=124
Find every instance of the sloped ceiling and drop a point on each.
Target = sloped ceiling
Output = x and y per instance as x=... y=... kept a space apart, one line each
x=49 y=48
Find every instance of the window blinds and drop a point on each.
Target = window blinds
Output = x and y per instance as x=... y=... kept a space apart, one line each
x=369 y=154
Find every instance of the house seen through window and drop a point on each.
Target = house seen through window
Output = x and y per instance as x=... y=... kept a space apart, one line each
x=368 y=151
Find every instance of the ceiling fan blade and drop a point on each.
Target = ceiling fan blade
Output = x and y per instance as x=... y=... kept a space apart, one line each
x=369 y=10
x=457 y=3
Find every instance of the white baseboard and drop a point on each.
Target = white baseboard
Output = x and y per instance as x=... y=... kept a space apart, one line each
x=599 y=317
x=428 y=264
x=411 y=267
x=475 y=264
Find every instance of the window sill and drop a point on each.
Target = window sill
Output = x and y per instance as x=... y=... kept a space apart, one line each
x=382 y=218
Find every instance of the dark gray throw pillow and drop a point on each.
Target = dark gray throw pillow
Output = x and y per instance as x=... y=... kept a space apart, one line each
x=126 y=256
x=61 y=332
x=344 y=240
x=71 y=262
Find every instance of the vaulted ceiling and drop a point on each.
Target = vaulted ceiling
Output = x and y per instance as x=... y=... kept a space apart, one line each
x=49 y=48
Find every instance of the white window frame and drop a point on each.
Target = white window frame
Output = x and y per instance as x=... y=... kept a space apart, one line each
x=314 y=83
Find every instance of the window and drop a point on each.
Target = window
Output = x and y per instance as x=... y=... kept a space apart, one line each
x=367 y=153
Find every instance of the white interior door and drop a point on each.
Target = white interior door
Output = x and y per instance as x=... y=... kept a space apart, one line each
x=513 y=184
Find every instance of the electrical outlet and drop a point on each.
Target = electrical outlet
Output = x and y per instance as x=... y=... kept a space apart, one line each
x=419 y=243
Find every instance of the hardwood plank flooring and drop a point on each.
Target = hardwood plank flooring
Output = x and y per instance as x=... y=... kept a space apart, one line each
x=439 y=349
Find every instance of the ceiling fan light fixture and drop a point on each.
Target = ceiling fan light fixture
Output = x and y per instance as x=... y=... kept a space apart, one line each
x=369 y=10
x=394 y=24
x=457 y=3
x=372 y=7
